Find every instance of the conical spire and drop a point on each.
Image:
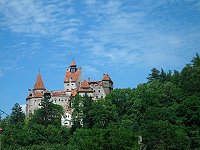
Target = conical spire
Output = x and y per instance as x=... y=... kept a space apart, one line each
x=39 y=85
x=73 y=63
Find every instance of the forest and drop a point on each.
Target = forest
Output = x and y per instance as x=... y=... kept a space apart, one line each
x=162 y=114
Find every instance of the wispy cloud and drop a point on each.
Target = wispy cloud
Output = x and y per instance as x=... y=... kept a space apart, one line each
x=37 y=17
x=90 y=71
x=121 y=32
x=140 y=35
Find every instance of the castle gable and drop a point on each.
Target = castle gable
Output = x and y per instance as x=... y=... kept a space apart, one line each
x=69 y=76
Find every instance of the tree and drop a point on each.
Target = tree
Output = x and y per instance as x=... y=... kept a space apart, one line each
x=101 y=139
x=155 y=74
x=87 y=106
x=162 y=76
x=189 y=112
x=77 y=115
x=48 y=114
x=103 y=113
x=196 y=61
x=190 y=77
x=121 y=99
x=17 y=116
x=162 y=135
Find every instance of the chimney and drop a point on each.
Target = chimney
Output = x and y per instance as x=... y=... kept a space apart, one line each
x=88 y=79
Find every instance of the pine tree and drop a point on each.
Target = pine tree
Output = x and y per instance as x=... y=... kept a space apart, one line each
x=48 y=114
x=17 y=116
x=155 y=74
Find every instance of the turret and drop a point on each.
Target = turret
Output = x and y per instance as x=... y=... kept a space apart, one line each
x=107 y=83
x=39 y=85
x=73 y=67
x=34 y=98
x=72 y=77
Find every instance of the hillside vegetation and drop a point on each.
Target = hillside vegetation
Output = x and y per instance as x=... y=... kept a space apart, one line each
x=162 y=114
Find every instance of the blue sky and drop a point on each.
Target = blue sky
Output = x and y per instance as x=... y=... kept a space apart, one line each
x=124 y=38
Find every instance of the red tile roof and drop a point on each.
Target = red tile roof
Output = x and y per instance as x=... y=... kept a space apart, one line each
x=39 y=85
x=69 y=76
x=73 y=63
x=106 y=77
x=58 y=93
x=85 y=84
x=37 y=94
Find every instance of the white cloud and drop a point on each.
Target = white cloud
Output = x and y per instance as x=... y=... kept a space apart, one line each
x=90 y=72
x=36 y=17
x=138 y=33
x=122 y=32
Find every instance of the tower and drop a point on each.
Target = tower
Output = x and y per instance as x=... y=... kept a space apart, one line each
x=72 y=77
x=107 y=83
x=73 y=68
x=39 y=85
x=34 y=98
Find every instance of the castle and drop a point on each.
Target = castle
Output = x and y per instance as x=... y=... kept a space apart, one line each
x=73 y=85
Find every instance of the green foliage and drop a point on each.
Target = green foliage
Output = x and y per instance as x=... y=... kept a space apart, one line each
x=87 y=107
x=103 y=113
x=121 y=99
x=48 y=114
x=26 y=136
x=77 y=115
x=164 y=113
x=100 y=139
x=155 y=75
x=190 y=76
x=189 y=112
x=162 y=135
x=17 y=116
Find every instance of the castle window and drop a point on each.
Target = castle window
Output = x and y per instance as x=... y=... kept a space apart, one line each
x=101 y=96
x=96 y=97
x=99 y=91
